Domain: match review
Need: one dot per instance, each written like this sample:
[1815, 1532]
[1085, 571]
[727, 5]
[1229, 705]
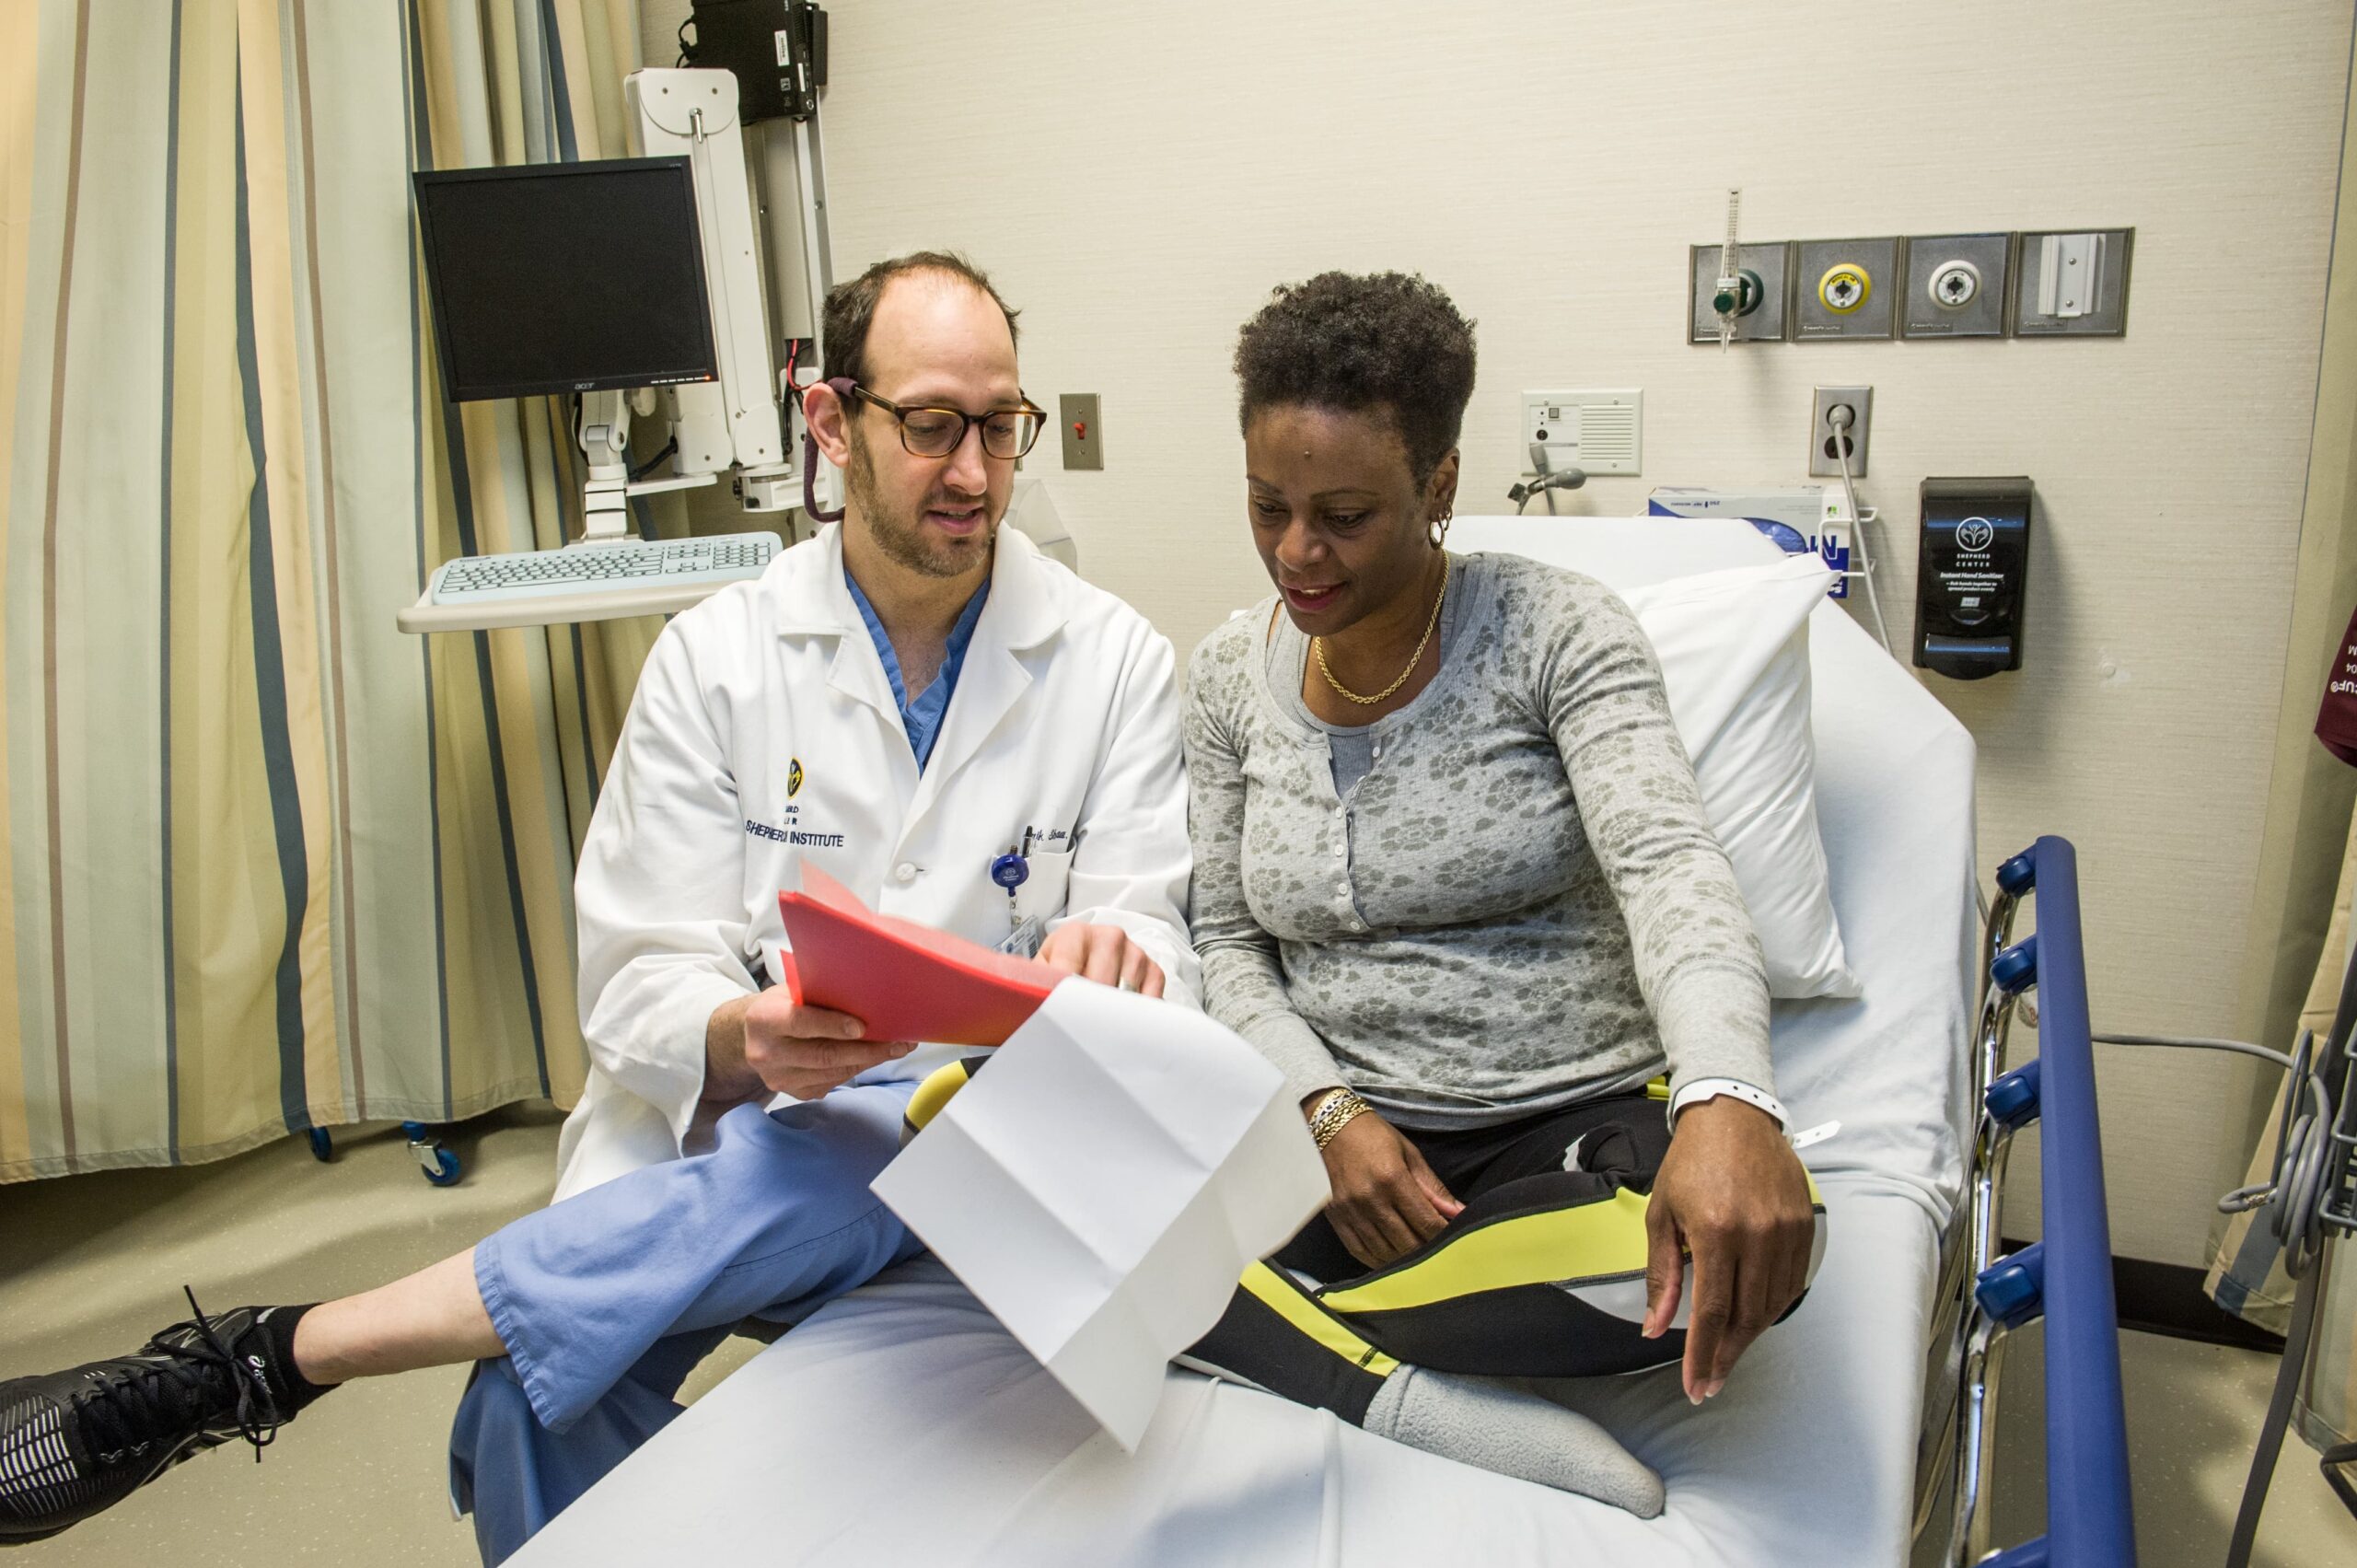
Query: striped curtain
[273, 864]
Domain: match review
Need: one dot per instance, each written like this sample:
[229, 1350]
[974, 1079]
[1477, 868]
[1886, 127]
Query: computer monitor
[565, 277]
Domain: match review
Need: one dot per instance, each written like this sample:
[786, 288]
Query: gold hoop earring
[1438, 533]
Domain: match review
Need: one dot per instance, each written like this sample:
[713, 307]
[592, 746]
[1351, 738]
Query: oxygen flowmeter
[1971, 571]
[1737, 291]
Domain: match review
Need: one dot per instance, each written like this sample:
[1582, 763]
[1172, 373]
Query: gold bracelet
[1337, 1110]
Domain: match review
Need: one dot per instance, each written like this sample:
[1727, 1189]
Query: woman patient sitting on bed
[1453, 876]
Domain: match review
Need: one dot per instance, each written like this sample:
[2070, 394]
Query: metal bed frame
[2065, 1278]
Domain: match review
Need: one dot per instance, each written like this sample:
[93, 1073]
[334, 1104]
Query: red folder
[902, 980]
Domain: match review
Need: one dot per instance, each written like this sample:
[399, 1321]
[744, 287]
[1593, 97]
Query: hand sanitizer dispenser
[1972, 569]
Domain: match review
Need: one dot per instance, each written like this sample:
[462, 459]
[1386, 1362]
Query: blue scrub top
[922, 717]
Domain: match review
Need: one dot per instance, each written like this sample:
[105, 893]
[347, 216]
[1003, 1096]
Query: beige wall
[1137, 177]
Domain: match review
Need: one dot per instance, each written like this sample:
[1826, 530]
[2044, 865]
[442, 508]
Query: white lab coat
[763, 730]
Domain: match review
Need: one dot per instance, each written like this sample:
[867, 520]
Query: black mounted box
[776, 49]
[1971, 576]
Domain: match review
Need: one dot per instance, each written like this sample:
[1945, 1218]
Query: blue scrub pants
[608, 1300]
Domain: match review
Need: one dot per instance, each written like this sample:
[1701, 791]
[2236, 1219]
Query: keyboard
[600, 568]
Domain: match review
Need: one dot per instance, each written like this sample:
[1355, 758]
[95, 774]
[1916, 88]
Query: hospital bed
[902, 1425]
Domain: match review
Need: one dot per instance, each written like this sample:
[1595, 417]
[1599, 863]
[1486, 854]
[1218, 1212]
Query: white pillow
[1734, 652]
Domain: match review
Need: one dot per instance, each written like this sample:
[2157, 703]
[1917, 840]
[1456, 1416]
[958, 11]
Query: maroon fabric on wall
[2336, 721]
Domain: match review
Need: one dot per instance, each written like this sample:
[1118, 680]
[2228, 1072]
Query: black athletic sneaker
[74, 1443]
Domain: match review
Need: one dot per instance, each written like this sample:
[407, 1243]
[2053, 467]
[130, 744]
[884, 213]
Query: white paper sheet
[1102, 1184]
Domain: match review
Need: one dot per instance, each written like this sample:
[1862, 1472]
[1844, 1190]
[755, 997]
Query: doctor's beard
[900, 533]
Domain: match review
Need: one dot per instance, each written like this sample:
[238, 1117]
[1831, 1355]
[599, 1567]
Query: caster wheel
[322, 1144]
[439, 1164]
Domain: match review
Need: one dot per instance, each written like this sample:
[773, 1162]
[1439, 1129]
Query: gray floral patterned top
[1519, 906]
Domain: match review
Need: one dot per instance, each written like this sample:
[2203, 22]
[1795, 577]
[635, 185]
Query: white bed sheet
[903, 1425]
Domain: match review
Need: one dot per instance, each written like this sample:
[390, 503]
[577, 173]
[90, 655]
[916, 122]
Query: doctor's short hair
[1388, 342]
[850, 307]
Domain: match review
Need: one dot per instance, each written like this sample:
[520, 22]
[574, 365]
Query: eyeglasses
[930, 431]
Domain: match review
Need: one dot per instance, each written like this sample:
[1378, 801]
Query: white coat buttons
[905, 873]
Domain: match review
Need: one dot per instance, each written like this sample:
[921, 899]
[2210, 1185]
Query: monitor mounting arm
[736, 423]
[605, 441]
[740, 423]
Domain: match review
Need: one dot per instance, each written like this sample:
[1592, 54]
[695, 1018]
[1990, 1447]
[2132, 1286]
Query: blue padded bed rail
[2066, 1277]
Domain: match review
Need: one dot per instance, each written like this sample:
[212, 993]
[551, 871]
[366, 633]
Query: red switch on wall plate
[1083, 427]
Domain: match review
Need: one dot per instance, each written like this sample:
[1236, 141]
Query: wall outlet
[1860, 401]
[1595, 431]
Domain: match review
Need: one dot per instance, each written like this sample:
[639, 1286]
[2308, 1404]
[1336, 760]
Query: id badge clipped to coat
[1011, 870]
[1023, 942]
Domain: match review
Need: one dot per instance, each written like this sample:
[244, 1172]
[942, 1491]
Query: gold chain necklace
[1318, 647]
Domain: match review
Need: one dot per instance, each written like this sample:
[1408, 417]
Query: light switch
[1083, 437]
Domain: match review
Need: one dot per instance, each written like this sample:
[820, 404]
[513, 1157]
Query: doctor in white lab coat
[765, 732]
[899, 701]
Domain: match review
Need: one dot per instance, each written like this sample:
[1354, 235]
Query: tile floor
[91, 1264]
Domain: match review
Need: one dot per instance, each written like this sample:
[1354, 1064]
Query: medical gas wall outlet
[2073, 284]
[1822, 431]
[1759, 307]
[1955, 285]
[1845, 288]
[1737, 295]
[1595, 431]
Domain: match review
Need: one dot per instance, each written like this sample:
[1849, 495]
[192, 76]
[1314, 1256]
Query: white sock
[1485, 1423]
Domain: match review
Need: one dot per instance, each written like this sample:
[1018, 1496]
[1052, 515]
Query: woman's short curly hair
[1387, 341]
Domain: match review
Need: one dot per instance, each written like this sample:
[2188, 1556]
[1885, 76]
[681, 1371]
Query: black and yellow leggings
[1542, 1275]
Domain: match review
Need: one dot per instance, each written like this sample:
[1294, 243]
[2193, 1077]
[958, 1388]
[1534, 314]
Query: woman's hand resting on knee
[1386, 1201]
[1731, 1198]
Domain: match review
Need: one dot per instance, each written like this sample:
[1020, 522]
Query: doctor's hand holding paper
[769, 1041]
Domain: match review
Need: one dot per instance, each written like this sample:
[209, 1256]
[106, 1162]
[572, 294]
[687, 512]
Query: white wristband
[1701, 1089]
